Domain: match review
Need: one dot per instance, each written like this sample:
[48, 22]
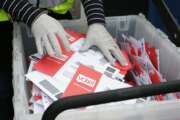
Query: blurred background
[147, 7]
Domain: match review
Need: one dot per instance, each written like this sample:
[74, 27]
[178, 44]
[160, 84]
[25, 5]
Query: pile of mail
[78, 72]
[72, 74]
[145, 62]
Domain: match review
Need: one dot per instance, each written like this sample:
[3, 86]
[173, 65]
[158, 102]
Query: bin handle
[109, 96]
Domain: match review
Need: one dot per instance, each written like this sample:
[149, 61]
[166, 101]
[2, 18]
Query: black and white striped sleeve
[94, 11]
[21, 10]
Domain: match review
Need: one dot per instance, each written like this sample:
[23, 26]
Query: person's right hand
[46, 30]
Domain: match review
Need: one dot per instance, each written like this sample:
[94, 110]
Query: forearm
[94, 11]
[21, 10]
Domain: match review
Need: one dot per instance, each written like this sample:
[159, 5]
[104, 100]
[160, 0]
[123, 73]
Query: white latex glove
[45, 30]
[97, 35]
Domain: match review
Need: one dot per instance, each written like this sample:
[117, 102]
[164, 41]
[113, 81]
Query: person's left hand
[97, 35]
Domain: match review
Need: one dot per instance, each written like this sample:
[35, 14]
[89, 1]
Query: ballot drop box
[134, 25]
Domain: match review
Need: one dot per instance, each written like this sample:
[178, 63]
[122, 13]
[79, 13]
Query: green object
[63, 7]
[60, 9]
[3, 16]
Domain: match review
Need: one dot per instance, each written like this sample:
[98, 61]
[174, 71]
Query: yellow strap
[63, 7]
[3, 16]
[60, 9]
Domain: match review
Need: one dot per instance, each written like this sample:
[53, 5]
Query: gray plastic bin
[136, 26]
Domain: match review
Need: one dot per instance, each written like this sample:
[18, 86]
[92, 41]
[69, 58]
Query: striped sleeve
[21, 10]
[94, 11]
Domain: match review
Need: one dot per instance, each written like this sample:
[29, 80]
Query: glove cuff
[36, 17]
[33, 18]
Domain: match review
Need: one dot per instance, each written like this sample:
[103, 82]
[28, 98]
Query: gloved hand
[97, 35]
[45, 30]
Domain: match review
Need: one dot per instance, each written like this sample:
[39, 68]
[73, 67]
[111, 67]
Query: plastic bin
[136, 26]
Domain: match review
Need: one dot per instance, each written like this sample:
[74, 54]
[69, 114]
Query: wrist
[38, 18]
[97, 26]
[40, 14]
